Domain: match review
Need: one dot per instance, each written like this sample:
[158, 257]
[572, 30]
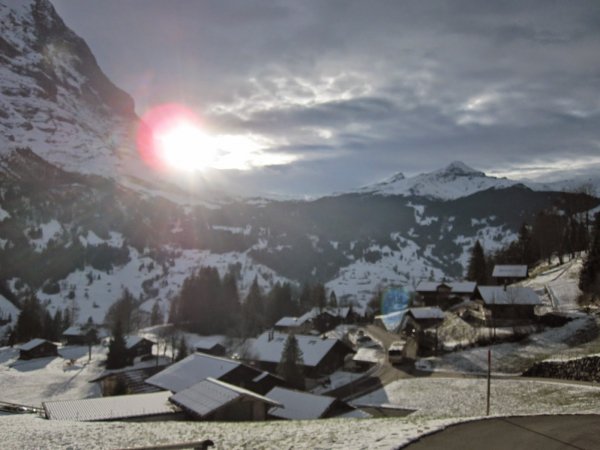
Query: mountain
[452, 182]
[81, 218]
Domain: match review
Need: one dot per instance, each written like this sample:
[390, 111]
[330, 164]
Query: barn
[37, 348]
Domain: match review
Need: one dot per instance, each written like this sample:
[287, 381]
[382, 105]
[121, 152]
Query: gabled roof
[291, 322]
[191, 370]
[208, 342]
[297, 405]
[209, 395]
[73, 331]
[34, 343]
[511, 295]
[509, 271]
[132, 341]
[426, 313]
[313, 348]
[110, 408]
[456, 287]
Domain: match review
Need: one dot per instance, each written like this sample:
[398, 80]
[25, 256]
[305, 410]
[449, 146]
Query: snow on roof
[299, 405]
[132, 341]
[208, 342]
[33, 344]
[366, 354]
[73, 331]
[110, 408]
[313, 348]
[209, 395]
[192, 370]
[512, 295]
[456, 287]
[424, 313]
[510, 271]
[291, 322]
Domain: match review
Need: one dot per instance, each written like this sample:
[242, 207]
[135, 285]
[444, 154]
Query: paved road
[516, 433]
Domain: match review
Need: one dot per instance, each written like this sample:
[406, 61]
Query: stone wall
[581, 369]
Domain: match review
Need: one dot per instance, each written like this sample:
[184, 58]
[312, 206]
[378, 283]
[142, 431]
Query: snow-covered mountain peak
[458, 169]
[451, 182]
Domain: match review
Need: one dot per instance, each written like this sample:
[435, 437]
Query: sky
[346, 93]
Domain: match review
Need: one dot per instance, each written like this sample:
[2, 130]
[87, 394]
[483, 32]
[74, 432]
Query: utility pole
[489, 379]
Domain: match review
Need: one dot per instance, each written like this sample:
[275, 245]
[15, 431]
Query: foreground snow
[30, 432]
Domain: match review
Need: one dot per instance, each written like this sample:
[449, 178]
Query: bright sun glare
[187, 147]
[173, 137]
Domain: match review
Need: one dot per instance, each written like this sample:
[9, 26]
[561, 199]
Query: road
[516, 433]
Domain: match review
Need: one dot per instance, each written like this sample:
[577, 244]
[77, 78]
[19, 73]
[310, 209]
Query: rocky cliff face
[55, 99]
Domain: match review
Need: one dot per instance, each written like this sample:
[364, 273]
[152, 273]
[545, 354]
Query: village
[342, 357]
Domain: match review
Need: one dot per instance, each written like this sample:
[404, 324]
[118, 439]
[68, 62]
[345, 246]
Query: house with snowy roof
[321, 356]
[199, 366]
[509, 273]
[37, 348]
[212, 399]
[211, 345]
[138, 346]
[509, 305]
[78, 335]
[420, 319]
[298, 405]
[445, 294]
[151, 406]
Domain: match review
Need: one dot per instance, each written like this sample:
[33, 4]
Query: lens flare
[394, 299]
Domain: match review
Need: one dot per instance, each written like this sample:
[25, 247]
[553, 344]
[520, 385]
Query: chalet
[212, 399]
[420, 319]
[296, 325]
[211, 345]
[197, 367]
[318, 319]
[321, 356]
[297, 405]
[140, 407]
[37, 348]
[445, 294]
[138, 347]
[509, 305]
[77, 335]
[508, 274]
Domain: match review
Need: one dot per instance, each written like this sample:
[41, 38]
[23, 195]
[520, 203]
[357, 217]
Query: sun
[186, 146]
[171, 137]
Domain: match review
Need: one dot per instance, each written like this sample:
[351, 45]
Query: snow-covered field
[442, 398]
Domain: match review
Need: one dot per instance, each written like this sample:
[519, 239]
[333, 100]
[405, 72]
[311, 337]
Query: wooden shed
[37, 348]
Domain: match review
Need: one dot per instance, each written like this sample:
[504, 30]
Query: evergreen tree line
[209, 304]
[35, 321]
[552, 234]
[589, 277]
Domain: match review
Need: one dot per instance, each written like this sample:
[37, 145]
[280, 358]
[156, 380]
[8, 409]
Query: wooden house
[140, 407]
[445, 294]
[505, 274]
[298, 405]
[77, 335]
[197, 367]
[211, 399]
[321, 356]
[37, 348]
[509, 305]
[138, 347]
[211, 345]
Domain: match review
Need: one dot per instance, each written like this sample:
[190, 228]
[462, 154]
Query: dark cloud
[359, 90]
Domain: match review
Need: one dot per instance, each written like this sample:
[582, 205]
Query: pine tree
[477, 270]
[156, 316]
[319, 297]
[253, 311]
[117, 350]
[290, 366]
[333, 303]
[182, 349]
[589, 277]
